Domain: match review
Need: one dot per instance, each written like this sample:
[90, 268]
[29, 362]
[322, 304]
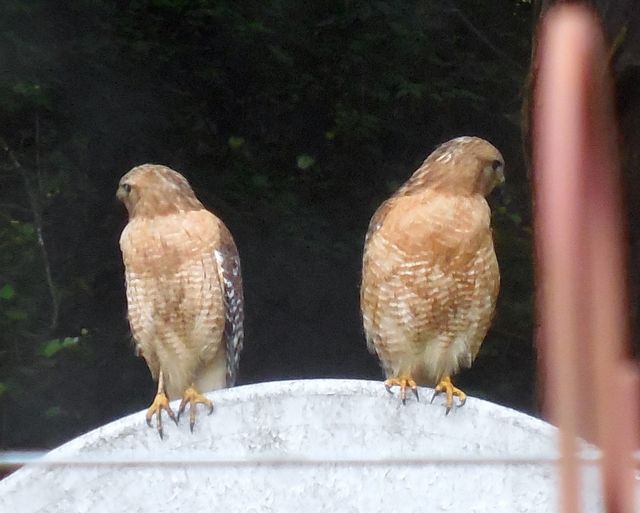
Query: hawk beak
[500, 188]
[503, 192]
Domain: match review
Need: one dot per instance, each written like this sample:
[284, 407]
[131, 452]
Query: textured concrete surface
[277, 447]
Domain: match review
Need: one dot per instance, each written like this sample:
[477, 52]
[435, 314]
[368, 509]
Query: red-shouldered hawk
[184, 289]
[430, 276]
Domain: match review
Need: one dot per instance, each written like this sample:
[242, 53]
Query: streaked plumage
[184, 285]
[430, 276]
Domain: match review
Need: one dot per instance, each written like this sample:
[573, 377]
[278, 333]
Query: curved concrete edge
[282, 446]
[348, 389]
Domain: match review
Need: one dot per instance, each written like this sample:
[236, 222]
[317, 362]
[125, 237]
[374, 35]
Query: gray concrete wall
[305, 446]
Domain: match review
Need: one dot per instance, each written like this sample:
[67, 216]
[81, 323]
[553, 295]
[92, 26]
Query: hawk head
[153, 190]
[464, 165]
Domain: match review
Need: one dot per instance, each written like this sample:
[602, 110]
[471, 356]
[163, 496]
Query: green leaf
[260, 181]
[413, 90]
[7, 292]
[51, 347]
[305, 161]
[27, 229]
[70, 342]
[32, 92]
[52, 412]
[392, 185]
[280, 55]
[16, 314]
[3, 388]
[235, 142]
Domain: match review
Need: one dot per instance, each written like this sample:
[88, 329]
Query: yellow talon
[445, 385]
[403, 383]
[193, 397]
[160, 402]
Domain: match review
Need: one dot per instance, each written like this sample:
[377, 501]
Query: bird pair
[430, 278]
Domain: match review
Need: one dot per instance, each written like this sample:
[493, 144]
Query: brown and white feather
[430, 274]
[176, 298]
[230, 274]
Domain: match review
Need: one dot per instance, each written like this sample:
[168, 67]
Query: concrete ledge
[309, 445]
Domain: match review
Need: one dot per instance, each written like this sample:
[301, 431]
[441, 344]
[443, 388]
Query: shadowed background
[293, 122]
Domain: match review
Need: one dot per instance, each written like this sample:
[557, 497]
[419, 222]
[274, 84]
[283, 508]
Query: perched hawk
[430, 277]
[184, 289]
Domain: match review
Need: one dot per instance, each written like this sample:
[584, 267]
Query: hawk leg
[447, 387]
[403, 383]
[193, 397]
[160, 402]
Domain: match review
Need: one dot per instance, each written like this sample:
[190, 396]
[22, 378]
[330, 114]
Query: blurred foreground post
[581, 293]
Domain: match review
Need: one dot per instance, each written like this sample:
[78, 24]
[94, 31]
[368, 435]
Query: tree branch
[14, 206]
[37, 221]
[483, 39]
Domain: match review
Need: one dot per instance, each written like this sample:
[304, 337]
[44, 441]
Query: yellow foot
[447, 387]
[193, 397]
[403, 383]
[161, 402]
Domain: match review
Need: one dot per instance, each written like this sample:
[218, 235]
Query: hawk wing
[228, 262]
[374, 225]
[377, 219]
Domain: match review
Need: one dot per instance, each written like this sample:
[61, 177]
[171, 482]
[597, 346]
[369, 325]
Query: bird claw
[160, 402]
[446, 386]
[403, 383]
[193, 397]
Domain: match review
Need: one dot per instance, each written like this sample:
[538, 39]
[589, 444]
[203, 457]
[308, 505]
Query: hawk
[184, 289]
[430, 276]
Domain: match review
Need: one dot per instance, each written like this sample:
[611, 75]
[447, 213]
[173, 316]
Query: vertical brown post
[581, 283]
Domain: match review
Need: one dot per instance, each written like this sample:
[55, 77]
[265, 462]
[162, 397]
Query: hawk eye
[126, 188]
[496, 164]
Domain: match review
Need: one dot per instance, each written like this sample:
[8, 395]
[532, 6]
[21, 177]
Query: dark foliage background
[293, 121]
